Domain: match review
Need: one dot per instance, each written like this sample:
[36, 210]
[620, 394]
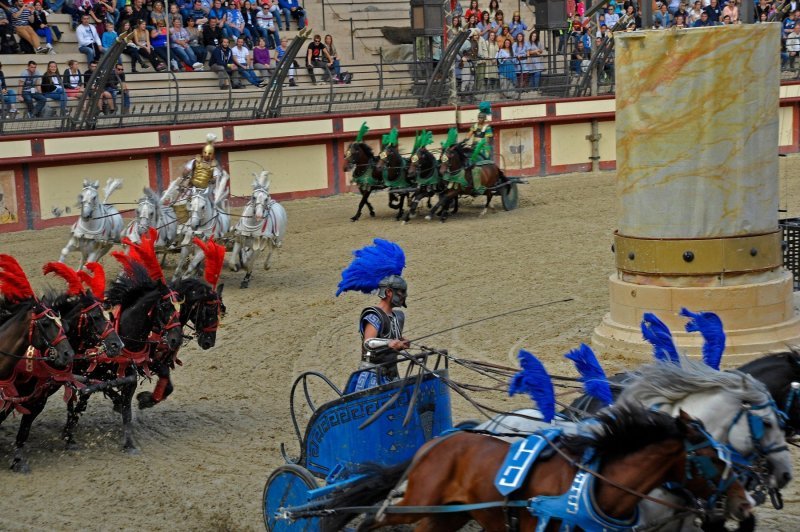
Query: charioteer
[482, 130]
[203, 172]
[378, 268]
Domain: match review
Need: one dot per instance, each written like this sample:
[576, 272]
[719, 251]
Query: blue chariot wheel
[287, 487]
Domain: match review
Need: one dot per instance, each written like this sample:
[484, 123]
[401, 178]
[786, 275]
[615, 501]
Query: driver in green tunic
[482, 130]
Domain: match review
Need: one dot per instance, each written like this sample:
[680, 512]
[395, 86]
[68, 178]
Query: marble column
[697, 189]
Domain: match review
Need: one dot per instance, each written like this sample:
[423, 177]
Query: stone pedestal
[697, 189]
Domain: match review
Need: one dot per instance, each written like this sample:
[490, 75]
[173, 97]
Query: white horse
[205, 221]
[262, 225]
[725, 401]
[99, 226]
[150, 213]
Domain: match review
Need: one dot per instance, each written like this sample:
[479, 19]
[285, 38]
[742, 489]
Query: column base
[758, 318]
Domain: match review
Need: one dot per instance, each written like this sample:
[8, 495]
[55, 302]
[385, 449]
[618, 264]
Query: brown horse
[456, 170]
[424, 170]
[392, 170]
[360, 160]
[637, 450]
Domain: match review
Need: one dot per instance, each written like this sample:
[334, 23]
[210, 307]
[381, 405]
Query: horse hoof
[145, 400]
[405, 222]
[354, 219]
[372, 214]
[131, 450]
[71, 446]
[244, 284]
[19, 465]
[428, 217]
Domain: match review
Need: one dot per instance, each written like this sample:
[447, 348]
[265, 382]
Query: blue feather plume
[595, 382]
[534, 381]
[370, 264]
[657, 333]
[709, 325]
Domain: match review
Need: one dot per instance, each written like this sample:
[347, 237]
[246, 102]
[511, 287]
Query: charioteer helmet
[399, 289]
[208, 149]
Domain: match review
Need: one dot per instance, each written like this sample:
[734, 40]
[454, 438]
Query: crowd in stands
[239, 40]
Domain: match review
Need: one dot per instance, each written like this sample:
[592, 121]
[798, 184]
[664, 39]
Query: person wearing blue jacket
[293, 9]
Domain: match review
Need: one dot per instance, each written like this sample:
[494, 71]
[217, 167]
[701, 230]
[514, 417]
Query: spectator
[494, 7]
[763, 7]
[634, 19]
[487, 70]
[109, 36]
[220, 13]
[42, 28]
[88, 40]
[250, 21]
[8, 44]
[275, 9]
[505, 63]
[116, 86]
[500, 19]
[212, 36]
[578, 57]
[694, 13]
[472, 23]
[517, 26]
[222, 63]
[731, 10]
[789, 23]
[680, 22]
[196, 42]
[244, 63]
[30, 81]
[469, 55]
[262, 62]
[9, 98]
[293, 9]
[681, 11]
[317, 56]
[52, 88]
[158, 40]
[714, 12]
[281, 51]
[457, 24]
[179, 44]
[198, 13]
[662, 17]
[486, 25]
[673, 6]
[158, 17]
[520, 50]
[105, 99]
[141, 37]
[334, 53]
[234, 23]
[267, 27]
[72, 80]
[538, 62]
[21, 17]
[611, 18]
[762, 18]
[472, 10]
[131, 49]
[603, 31]
[103, 11]
[139, 12]
[792, 49]
[174, 14]
[703, 22]
[505, 35]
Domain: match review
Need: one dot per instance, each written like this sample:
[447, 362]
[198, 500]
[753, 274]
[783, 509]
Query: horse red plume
[125, 261]
[95, 282]
[74, 286]
[215, 256]
[14, 284]
[145, 252]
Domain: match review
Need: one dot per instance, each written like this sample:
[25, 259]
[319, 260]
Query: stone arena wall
[41, 176]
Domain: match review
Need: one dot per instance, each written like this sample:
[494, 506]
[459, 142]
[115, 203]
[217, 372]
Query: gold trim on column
[698, 256]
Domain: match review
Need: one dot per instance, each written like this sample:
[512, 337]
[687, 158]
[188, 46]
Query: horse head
[199, 208]
[145, 215]
[88, 198]
[167, 317]
[89, 324]
[46, 334]
[421, 164]
[203, 306]
[453, 159]
[357, 155]
[261, 197]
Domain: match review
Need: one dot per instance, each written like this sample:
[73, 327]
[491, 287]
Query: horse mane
[151, 196]
[622, 430]
[128, 287]
[63, 302]
[366, 148]
[186, 287]
[667, 382]
[9, 309]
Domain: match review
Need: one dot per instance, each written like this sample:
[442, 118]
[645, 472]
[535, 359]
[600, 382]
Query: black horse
[201, 310]
[360, 160]
[465, 178]
[424, 170]
[393, 170]
[28, 323]
[147, 316]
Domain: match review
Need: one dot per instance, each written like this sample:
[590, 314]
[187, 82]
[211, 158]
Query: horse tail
[377, 485]
[111, 186]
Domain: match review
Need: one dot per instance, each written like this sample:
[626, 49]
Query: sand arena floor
[206, 451]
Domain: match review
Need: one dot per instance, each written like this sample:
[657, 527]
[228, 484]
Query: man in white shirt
[244, 64]
[88, 40]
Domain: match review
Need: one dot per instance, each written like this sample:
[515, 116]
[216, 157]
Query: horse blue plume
[709, 325]
[595, 382]
[371, 264]
[657, 333]
[534, 381]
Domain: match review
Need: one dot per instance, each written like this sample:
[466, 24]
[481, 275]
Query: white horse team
[262, 225]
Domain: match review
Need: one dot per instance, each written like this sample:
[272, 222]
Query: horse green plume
[452, 138]
[362, 132]
[477, 152]
[390, 139]
[425, 138]
[417, 138]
